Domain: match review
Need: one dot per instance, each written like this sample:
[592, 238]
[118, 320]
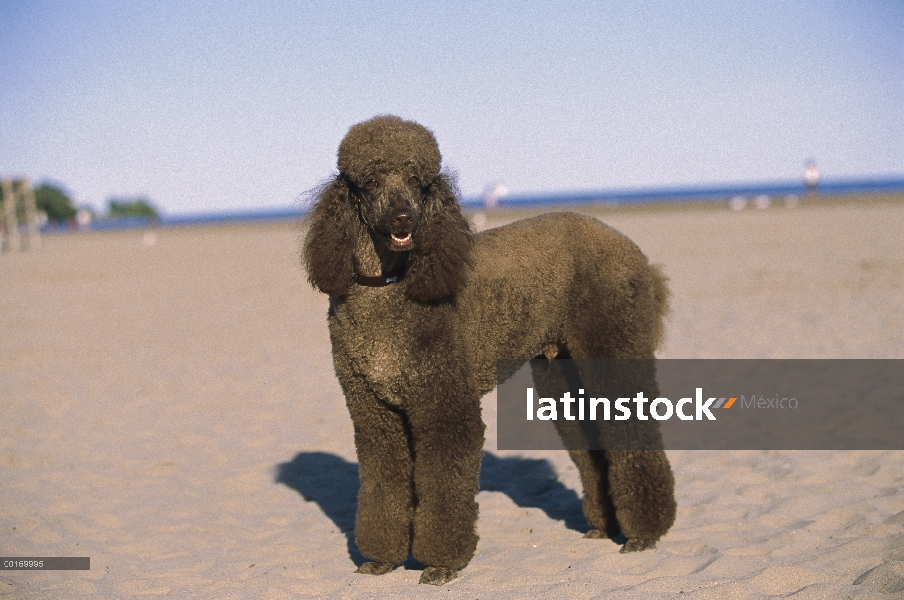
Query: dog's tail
[660, 301]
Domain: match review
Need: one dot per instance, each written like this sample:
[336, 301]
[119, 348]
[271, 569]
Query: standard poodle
[421, 308]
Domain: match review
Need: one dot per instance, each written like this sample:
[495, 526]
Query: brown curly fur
[415, 357]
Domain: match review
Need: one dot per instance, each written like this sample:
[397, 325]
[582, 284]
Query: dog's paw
[593, 534]
[375, 568]
[438, 575]
[637, 546]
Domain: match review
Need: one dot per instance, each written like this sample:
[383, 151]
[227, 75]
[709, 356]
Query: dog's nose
[402, 220]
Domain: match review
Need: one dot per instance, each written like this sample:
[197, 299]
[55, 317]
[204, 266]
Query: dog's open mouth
[400, 242]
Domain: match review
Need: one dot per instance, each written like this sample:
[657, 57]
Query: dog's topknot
[388, 143]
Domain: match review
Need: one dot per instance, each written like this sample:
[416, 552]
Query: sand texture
[168, 407]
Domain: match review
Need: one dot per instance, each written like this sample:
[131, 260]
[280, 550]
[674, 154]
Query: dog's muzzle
[401, 225]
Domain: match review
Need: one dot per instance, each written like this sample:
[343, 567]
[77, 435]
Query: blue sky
[220, 105]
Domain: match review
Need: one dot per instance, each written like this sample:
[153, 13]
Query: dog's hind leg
[632, 472]
[640, 483]
[641, 486]
[597, 505]
[552, 378]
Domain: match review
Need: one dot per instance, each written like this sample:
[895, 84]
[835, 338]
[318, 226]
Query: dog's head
[390, 165]
[390, 182]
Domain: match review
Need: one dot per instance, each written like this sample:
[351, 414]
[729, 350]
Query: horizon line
[611, 197]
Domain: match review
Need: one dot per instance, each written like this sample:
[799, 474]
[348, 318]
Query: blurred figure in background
[811, 177]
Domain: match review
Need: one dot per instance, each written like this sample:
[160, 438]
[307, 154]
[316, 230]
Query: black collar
[392, 277]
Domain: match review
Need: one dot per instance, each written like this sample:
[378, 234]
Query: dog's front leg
[385, 499]
[447, 431]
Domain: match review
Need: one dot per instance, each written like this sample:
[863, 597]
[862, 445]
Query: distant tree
[54, 201]
[132, 207]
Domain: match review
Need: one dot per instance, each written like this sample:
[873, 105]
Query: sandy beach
[168, 408]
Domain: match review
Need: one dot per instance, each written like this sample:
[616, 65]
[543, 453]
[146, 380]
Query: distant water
[713, 193]
[707, 192]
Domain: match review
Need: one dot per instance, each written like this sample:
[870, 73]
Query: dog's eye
[372, 183]
[413, 181]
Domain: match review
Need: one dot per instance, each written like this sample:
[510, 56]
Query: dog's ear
[328, 251]
[441, 258]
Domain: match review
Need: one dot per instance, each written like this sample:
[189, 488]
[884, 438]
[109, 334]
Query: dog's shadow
[332, 482]
[533, 483]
